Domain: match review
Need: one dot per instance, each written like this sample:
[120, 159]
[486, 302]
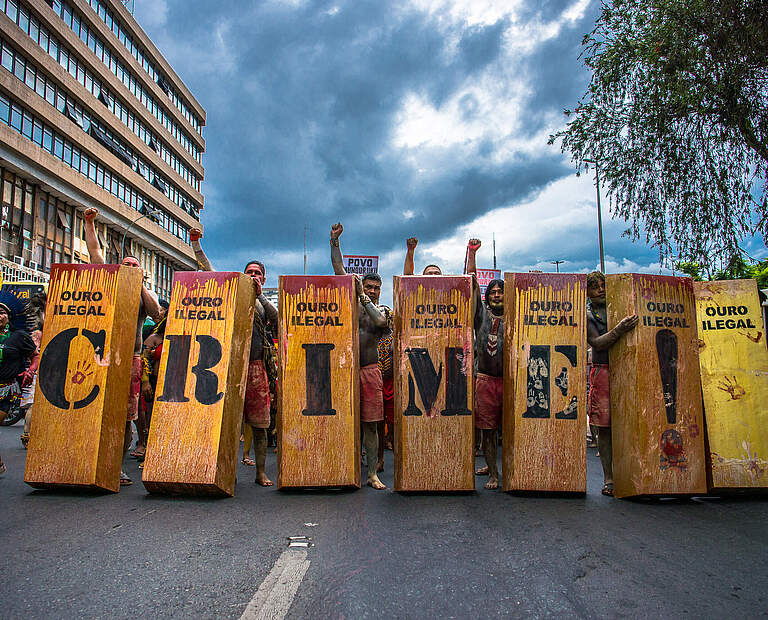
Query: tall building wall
[91, 114]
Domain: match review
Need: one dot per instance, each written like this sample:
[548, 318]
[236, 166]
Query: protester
[147, 306]
[489, 362]
[35, 318]
[601, 339]
[373, 324]
[261, 365]
[16, 348]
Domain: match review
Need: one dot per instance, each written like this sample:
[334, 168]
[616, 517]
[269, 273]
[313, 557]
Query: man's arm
[203, 264]
[270, 312]
[378, 318]
[410, 245]
[151, 306]
[471, 269]
[91, 240]
[611, 337]
[336, 260]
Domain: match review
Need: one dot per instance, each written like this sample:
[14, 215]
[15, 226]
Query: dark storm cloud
[302, 100]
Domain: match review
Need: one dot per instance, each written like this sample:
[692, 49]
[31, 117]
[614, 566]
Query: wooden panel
[656, 412]
[81, 399]
[194, 434]
[545, 344]
[433, 362]
[734, 377]
[319, 417]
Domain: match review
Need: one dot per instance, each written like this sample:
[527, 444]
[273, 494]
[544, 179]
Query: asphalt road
[377, 554]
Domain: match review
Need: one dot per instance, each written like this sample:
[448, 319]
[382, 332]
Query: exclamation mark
[666, 349]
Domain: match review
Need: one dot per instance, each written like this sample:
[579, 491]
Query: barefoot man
[429, 270]
[489, 355]
[261, 362]
[601, 340]
[373, 325]
[147, 306]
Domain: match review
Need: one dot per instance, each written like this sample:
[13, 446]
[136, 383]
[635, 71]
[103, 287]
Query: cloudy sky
[426, 118]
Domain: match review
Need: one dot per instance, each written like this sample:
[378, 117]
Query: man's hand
[336, 230]
[195, 234]
[627, 324]
[411, 243]
[257, 284]
[359, 286]
[474, 245]
[26, 378]
[90, 214]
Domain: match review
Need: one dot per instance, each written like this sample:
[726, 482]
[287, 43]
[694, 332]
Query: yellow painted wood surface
[74, 442]
[545, 393]
[318, 315]
[434, 448]
[734, 377]
[195, 429]
[651, 454]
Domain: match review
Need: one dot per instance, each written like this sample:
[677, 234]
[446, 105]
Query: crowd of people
[21, 330]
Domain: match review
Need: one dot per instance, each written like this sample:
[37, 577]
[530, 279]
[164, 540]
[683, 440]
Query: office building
[91, 114]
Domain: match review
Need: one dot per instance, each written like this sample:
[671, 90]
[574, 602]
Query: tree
[676, 116]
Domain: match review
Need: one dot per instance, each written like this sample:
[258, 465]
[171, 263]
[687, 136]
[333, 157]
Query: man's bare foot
[373, 481]
[380, 466]
[493, 483]
[262, 480]
[483, 471]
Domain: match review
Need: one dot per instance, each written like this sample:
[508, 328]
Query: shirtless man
[372, 326]
[257, 403]
[147, 306]
[429, 270]
[489, 354]
[601, 340]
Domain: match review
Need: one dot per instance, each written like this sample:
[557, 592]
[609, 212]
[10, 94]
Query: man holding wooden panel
[261, 362]
[148, 306]
[601, 339]
[373, 324]
[489, 352]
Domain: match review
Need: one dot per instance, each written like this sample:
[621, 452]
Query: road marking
[275, 595]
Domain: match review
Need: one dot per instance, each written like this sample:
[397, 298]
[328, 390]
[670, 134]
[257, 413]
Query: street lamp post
[557, 264]
[599, 214]
[150, 211]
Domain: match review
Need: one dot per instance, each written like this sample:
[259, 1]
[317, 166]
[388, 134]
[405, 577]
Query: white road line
[275, 595]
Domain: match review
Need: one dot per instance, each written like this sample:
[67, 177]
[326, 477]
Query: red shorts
[599, 396]
[135, 391]
[488, 401]
[371, 394]
[256, 405]
[389, 401]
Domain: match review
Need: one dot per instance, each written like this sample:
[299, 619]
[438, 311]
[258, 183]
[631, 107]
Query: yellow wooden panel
[734, 378]
[545, 343]
[656, 412]
[194, 434]
[319, 417]
[81, 399]
[433, 362]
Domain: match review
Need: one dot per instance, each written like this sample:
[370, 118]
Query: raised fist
[474, 245]
[195, 234]
[336, 230]
[411, 243]
[90, 214]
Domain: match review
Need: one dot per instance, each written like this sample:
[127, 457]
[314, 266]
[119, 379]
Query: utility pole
[494, 250]
[557, 264]
[599, 214]
[306, 228]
